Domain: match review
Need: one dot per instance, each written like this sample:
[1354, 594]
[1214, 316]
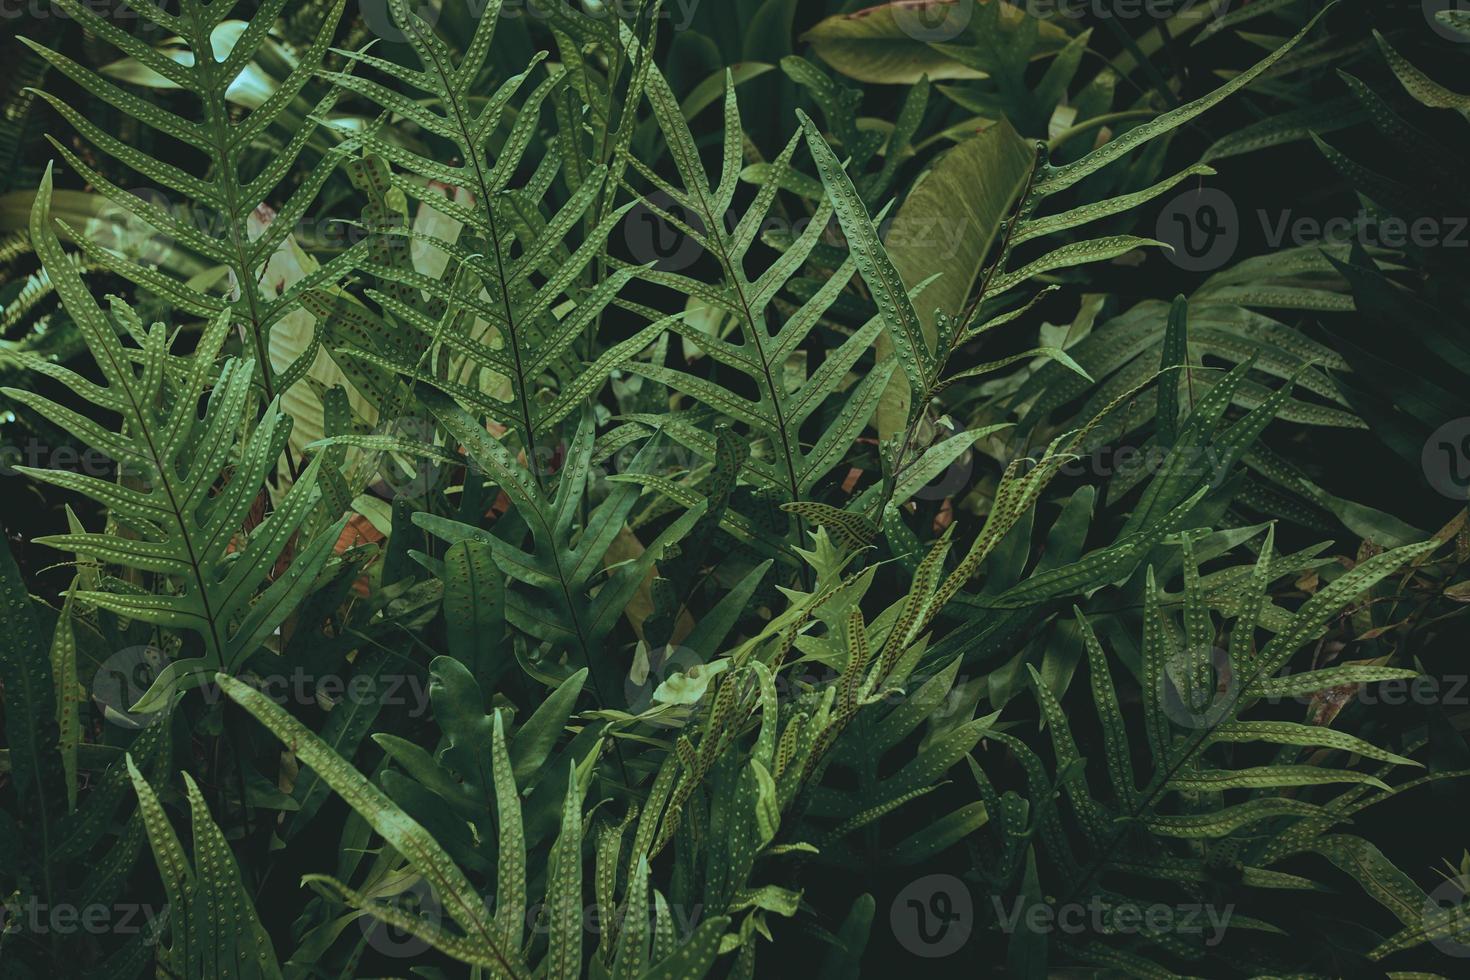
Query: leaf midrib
[472, 155]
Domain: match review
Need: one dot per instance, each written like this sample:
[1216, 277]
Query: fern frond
[229, 193]
[1195, 696]
[520, 304]
[550, 597]
[213, 927]
[483, 940]
[187, 482]
[769, 336]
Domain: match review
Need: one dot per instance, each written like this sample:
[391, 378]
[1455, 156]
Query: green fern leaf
[227, 191]
[178, 527]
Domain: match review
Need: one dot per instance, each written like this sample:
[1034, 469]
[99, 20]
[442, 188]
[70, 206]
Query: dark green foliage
[758, 488]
